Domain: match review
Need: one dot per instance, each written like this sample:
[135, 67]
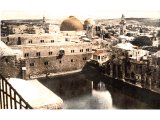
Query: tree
[151, 49]
[142, 41]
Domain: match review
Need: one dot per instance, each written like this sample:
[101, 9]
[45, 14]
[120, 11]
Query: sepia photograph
[80, 55]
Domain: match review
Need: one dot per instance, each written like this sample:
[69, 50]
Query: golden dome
[71, 24]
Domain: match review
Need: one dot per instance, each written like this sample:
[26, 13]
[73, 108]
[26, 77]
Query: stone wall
[25, 68]
[30, 39]
[24, 39]
[44, 65]
[70, 49]
[9, 66]
[44, 58]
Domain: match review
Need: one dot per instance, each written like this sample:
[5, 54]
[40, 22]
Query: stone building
[4, 29]
[158, 38]
[120, 59]
[37, 59]
[54, 29]
[100, 56]
[9, 60]
[25, 29]
[46, 53]
[133, 64]
[155, 65]
[24, 39]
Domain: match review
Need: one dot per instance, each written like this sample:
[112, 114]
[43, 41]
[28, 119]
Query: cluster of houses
[129, 62]
[39, 26]
[110, 45]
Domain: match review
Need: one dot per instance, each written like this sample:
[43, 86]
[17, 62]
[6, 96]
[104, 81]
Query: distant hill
[25, 21]
[139, 21]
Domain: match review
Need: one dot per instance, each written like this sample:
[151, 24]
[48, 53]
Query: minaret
[89, 30]
[44, 20]
[122, 25]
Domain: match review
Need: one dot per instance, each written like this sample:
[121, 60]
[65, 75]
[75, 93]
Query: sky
[35, 9]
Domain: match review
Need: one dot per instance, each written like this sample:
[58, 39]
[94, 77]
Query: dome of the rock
[71, 24]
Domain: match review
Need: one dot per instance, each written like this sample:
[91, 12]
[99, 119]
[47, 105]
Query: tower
[122, 25]
[90, 31]
[45, 25]
[44, 20]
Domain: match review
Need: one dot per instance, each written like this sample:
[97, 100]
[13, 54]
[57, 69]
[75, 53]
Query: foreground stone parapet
[36, 94]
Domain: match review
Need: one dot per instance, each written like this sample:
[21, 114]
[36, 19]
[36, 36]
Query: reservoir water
[78, 92]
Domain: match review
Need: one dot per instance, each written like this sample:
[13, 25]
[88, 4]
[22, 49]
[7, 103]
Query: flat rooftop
[60, 43]
[36, 94]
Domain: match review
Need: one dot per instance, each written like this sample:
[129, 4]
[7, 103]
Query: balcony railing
[9, 97]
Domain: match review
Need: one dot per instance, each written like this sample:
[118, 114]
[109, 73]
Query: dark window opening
[6, 60]
[38, 54]
[66, 39]
[72, 51]
[42, 41]
[30, 41]
[26, 55]
[52, 41]
[87, 50]
[50, 53]
[31, 64]
[46, 63]
[71, 60]
[19, 41]
[81, 50]
[60, 61]
[7, 39]
[84, 58]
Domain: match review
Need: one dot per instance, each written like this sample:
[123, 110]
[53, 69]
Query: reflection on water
[77, 93]
[97, 100]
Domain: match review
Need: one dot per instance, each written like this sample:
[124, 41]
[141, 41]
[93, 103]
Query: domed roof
[71, 24]
[89, 21]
